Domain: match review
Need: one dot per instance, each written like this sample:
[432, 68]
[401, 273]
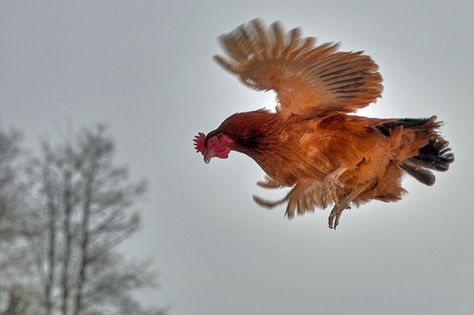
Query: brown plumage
[310, 143]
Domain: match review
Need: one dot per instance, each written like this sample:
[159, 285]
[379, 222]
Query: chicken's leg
[330, 185]
[340, 206]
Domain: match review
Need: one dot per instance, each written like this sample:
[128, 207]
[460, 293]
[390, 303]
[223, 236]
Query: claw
[336, 222]
[333, 220]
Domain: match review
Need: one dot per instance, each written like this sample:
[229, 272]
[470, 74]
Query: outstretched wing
[307, 78]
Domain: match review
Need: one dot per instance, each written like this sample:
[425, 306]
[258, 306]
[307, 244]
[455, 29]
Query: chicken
[310, 143]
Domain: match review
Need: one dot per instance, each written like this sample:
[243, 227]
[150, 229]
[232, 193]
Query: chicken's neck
[253, 133]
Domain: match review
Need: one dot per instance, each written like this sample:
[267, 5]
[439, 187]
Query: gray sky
[145, 69]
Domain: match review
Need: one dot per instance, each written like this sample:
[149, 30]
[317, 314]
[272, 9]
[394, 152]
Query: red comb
[199, 142]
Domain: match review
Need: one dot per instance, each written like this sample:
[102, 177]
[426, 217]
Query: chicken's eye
[212, 141]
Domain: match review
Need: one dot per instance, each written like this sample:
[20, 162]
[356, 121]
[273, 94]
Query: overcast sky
[145, 69]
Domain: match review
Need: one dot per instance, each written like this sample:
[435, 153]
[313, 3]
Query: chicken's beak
[208, 156]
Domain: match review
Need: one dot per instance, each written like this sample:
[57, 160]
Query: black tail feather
[436, 155]
[385, 128]
[422, 175]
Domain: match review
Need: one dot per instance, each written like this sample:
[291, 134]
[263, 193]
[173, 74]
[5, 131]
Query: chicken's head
[214, 145]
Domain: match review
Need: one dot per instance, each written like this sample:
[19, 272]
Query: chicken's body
[310, 143]
[301, 148]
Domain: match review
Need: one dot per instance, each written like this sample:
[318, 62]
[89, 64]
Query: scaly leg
[340, 206]
[330, 185]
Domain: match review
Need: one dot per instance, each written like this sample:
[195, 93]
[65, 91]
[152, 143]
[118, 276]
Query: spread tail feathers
[436, 155]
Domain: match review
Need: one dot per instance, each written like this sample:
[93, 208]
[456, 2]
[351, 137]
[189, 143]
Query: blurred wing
[303, 197]
[307, 79]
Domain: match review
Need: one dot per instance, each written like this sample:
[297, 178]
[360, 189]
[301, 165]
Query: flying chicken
[310, 143]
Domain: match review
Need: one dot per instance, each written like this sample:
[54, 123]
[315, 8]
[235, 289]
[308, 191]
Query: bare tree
[9, 150]
[17, 302]
[10, 256]
[82, 208]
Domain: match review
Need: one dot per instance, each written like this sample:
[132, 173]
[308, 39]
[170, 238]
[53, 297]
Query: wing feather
[263, 38]
[308, 79]
[308, 44]
[295, 35]
[279, 40]
[303, 197]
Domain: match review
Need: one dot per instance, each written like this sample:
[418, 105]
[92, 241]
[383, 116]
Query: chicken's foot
[344, 203]
[333, 219]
